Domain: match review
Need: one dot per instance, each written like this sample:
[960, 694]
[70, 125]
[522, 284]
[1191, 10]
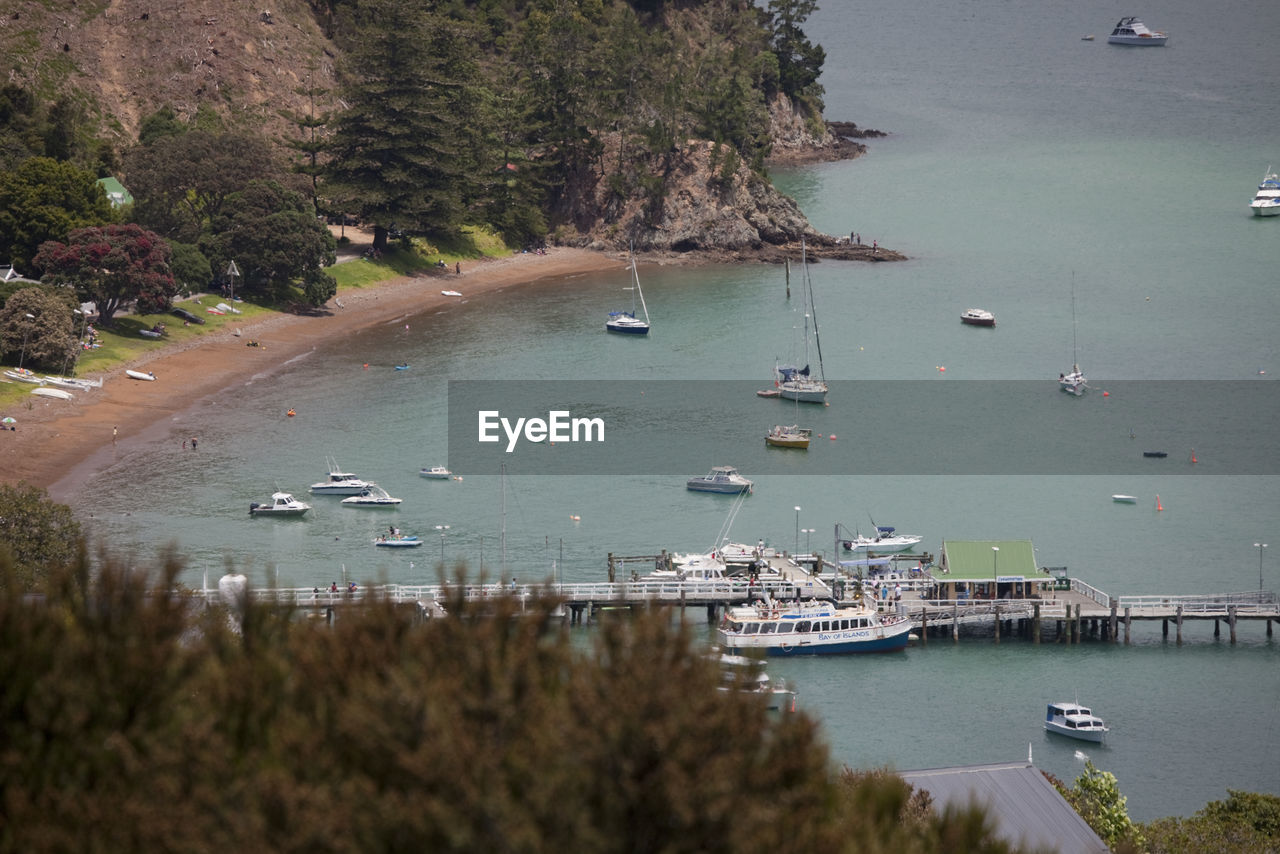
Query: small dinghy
[1159, 455]
[1125, 499]
[401, 541]
[146, 376]
[56, 393]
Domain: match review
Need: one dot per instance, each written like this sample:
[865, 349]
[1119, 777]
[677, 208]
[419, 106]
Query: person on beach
[193, 443]
[457, 268]
[115, 432]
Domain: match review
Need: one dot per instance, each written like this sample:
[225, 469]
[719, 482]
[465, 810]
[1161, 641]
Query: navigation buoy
[1159, 506]
[1193, 456]
[1106, 394]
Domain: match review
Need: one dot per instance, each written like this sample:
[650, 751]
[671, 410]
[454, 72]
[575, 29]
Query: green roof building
[116, 193]
[988, 569]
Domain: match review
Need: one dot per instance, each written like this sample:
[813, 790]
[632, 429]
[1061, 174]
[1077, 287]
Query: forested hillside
[603, 121]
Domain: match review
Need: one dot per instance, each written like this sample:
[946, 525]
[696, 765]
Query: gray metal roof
[1025, 807]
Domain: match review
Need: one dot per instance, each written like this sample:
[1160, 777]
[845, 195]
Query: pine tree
[400, 152]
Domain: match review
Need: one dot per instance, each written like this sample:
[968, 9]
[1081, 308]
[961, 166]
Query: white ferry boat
[816, 628]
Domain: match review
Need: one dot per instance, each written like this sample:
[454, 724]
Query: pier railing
[1090, 592]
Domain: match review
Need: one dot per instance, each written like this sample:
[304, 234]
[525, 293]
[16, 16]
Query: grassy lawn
[123, 343]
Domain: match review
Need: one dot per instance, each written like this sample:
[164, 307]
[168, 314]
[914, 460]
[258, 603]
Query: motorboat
[22, 375]
[692, 567]
[1075, 721]
[371, 496]
[450, 293]
[57, 393]
[435, 473]
[721, 479]
[977, 317]
[282, 504]
[885, 540]
[1125, 499]
[1156, 455]
[339, 483]
[398, 541]
[404, 366]
[1267, 201]
[788, 437]
[145, 376]
[626, 321]
[1132, 31]
[813, 628]
[746, 674]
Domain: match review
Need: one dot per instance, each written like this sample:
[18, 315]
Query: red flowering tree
[112, 266]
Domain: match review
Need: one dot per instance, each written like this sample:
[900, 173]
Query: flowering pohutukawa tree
[112, 266]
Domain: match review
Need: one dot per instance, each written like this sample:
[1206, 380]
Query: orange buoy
[1106, 394]
[1159, 506]
[291, 413]
[833, 437]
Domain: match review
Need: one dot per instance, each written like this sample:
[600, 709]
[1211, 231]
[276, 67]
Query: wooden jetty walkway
[1065, 610]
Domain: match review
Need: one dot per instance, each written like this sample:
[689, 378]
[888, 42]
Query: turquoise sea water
[1020, 159]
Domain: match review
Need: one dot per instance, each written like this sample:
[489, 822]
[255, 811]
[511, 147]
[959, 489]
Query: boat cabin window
[785, 628]
[844, 624]
[802, 626]
[767, 628]
[751, 629]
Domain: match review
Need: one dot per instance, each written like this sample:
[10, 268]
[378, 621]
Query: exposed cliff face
[702, 210]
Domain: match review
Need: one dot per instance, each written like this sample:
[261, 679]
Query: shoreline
[60, 444]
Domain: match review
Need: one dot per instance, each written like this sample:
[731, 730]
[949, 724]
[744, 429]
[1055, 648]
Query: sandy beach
[59, 444]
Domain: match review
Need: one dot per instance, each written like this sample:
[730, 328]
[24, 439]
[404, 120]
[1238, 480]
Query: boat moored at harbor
[1075, 721]
[1131, 31]
[1267, 201]
[721, 479]
[814, 628]
[339, 483]
[282, 504]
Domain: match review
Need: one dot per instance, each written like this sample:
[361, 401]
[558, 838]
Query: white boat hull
[1271, 209]
[56, 393]
[1139, 41]
[139, 375]
[885, 544]
[803, 392]
[1093, 735]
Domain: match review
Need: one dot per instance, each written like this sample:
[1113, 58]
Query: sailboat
[793, 436]
[797, 383]
[1073, 382]
[626, 321]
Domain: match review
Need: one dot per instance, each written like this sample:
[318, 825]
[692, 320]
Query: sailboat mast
[1075, 361]
[813, 309]
[635, 283]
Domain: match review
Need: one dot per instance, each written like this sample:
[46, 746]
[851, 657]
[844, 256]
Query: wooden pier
[1065, 613]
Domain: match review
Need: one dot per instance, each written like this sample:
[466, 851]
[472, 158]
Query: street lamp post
[808, 549]
[442, 529]
[797, 548]
[1259, 547]
[22, 355]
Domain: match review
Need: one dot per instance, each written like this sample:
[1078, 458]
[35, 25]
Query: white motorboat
[371, 496]
[1074, 720]
[1125, 499]
[692, 567]
[435, 473]
[1267, 201]
[814, 628]
[146, 376]
[746, 674]
[450, 293]
[57, 393]
[627, 321]
[339, 483]
[722, 479]
[885, 540]
[1133, 32]
[282, 504]
[977, 317]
